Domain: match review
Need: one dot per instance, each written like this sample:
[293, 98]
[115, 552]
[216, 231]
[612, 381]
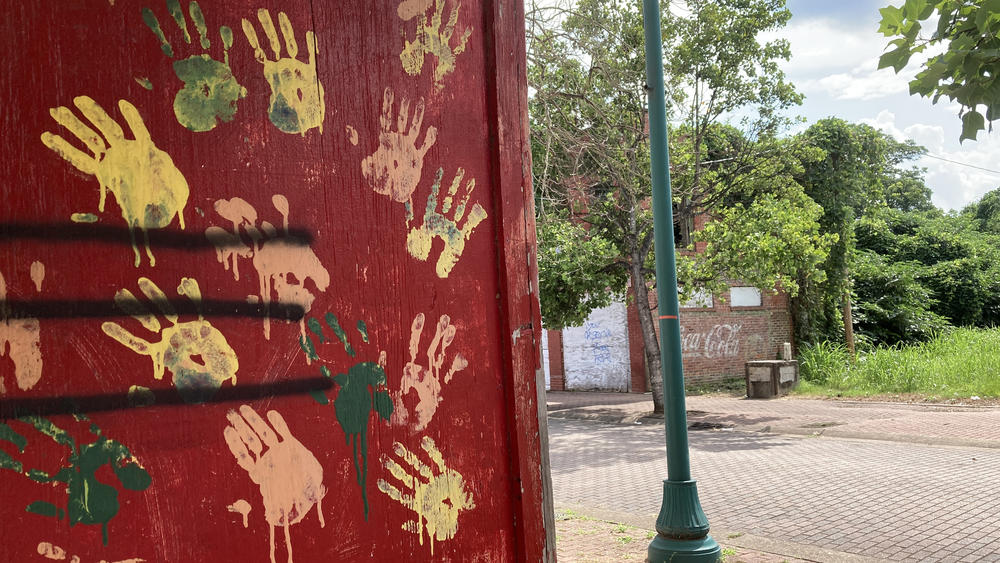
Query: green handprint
[210, 91]
[361, 388]
[88, 501]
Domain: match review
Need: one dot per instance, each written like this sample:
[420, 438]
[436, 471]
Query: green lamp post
[682, 528]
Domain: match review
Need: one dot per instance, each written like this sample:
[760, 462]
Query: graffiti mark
[243, 508]
[296, 104]
[721, 341]
[211, 92]
[436, 499]
[88, 500]
[20, 338]
[196, 353]
[283, 262]
[148, 187]
[394, 168]
[438, 224]
[595, 335]
[352, 135]
[431, 38]
[426, 381]
[56, 553]
[361, 390]
[290, 478]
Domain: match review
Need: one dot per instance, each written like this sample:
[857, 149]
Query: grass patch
[959, 363]
[570, 514]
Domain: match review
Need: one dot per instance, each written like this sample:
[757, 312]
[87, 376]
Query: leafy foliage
[891, 304]
[966, 71]
[590, 149]
[581, 272]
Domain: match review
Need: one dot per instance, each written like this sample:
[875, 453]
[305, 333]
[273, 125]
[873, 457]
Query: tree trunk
[651, 344]
[848, 323]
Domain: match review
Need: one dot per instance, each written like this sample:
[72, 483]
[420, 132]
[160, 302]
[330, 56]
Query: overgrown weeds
[959, 363]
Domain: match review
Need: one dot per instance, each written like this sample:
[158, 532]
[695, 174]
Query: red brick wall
[557, 373]
[637, 363]
[717, 342]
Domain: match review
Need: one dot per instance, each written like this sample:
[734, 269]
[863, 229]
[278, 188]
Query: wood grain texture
[294, 269]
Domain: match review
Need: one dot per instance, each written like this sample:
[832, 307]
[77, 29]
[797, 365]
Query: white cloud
[839, 58]
[956, 175]
[822, 45]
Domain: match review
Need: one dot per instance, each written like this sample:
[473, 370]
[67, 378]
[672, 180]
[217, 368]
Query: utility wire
[962, 163]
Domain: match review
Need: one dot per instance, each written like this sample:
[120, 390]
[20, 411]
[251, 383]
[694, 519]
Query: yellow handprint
[289, 476]
[437, 224]
[195, 352]
[394, 168]
[296, 93]
[431, 38]
[436, 499]
[148, 187]
[210, 91]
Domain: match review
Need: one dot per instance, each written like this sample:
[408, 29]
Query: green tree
[591, 153]
[966, 71]
[986, 212]
[859, 172]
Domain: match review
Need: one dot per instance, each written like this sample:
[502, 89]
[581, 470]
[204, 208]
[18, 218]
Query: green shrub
[824, 363]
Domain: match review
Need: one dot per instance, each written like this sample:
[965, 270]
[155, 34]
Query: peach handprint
[20, 337]
[394, 168]
[427, 381]
[283, 261]
[289, 476]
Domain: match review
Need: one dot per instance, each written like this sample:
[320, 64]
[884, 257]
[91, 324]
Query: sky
[835, 50]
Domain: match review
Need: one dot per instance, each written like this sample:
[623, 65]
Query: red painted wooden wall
[266, 283]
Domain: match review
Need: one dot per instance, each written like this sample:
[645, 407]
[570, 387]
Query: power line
[962, 163]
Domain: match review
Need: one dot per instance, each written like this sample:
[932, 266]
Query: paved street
[887, 500]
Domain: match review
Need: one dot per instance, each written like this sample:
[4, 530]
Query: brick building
[719, 334]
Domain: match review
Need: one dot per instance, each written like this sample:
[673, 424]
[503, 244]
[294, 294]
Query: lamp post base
[682, 529]
[664, 549]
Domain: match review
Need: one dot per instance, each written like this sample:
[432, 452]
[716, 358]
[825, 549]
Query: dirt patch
[585, 540]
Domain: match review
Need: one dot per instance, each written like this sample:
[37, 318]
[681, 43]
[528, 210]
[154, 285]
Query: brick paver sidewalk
[908, 497]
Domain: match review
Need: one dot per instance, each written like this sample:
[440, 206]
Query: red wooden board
[326, 348]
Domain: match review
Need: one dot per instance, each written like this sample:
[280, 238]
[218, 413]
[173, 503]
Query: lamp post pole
[682, 528]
